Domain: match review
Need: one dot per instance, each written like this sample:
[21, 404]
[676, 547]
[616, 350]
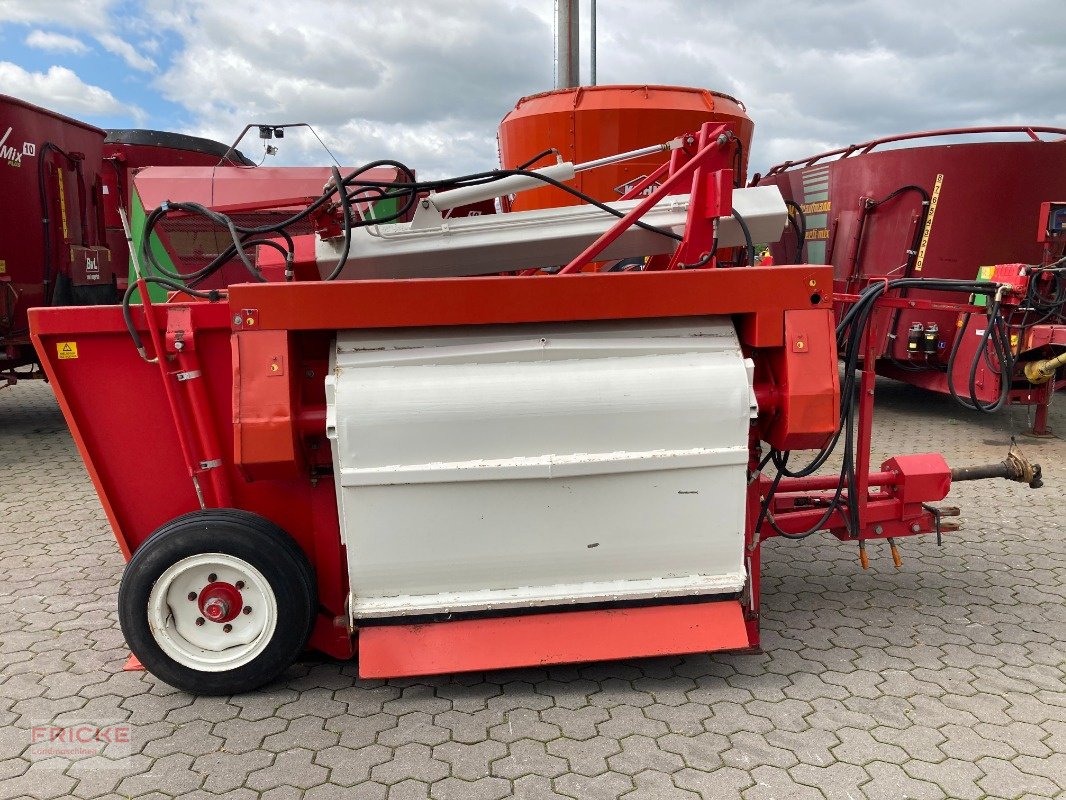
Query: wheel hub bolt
[212, 578]
[215, 608]
[192, 596]
[240, 584]
[199, 620]
[247, 609]
[227, 628]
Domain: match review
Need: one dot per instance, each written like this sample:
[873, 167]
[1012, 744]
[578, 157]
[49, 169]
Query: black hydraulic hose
[798, 220]
[703, 260]
[127, 312]
[747, 237]
[346, 211]
[592, 201]
[406, 190]
[850, 333]
[909, 262]
[738, 163]
[219, 219]
[994, 331]
[538, 157]
[48, 267]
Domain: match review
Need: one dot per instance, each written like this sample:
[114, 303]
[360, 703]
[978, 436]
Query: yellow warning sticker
[67, 349]
[3, 266]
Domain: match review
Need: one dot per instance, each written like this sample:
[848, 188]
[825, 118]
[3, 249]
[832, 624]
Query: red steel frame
[230, 411]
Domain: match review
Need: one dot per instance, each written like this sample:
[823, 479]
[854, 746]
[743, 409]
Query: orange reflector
[389, 651]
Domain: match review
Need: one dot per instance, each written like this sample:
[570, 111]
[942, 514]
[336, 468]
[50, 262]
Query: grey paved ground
[945, 679]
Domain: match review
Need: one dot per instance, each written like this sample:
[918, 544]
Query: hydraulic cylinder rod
[563, 171]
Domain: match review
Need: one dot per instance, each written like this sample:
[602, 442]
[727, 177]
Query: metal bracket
[188, 375]
[936, 522]
[216, 462]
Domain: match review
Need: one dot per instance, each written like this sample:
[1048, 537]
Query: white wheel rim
[210, 646]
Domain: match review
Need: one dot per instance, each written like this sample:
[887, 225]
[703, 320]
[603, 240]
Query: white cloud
[56, 42]
[423, 82]
[62, 90]
[95, 17]
[75, 14]
[126, 51]
[430, 81]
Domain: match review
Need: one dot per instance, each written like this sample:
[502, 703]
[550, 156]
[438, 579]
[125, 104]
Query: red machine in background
[483, 469]
[899, 208]
[53, 244]
[590, 122]
[61, 241]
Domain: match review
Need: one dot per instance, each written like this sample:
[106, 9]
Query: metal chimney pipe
[592, 45]
[567, 46]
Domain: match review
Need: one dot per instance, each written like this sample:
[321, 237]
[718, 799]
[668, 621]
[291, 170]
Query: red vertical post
[867, 382]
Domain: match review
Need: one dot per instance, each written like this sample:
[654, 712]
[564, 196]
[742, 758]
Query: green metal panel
[138, 221]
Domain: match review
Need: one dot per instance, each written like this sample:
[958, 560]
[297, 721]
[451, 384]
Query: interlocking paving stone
[946, 678]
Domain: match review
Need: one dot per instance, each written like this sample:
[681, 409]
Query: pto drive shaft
[1038, 372]
[1015, 467]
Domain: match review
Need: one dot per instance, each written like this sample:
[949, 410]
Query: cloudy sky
[428, 81]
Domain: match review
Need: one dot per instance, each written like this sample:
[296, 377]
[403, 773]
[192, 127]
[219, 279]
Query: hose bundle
[850, 332]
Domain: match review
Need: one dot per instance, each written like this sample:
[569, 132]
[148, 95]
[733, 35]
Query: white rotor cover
[501, 467]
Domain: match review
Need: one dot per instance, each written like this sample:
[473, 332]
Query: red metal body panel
[551, 638]
[590, 122]
[809, 414]
[230, 189]
[142, 480]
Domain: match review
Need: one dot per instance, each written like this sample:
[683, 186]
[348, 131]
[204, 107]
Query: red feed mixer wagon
[956, 204]
[415, 451]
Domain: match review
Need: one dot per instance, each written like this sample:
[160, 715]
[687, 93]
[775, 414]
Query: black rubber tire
[237, 533]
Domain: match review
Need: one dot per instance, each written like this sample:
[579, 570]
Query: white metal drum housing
[540, 464]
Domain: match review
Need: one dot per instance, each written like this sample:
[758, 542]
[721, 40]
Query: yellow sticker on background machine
[920, 261]
[67, 349]
[3, 266]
